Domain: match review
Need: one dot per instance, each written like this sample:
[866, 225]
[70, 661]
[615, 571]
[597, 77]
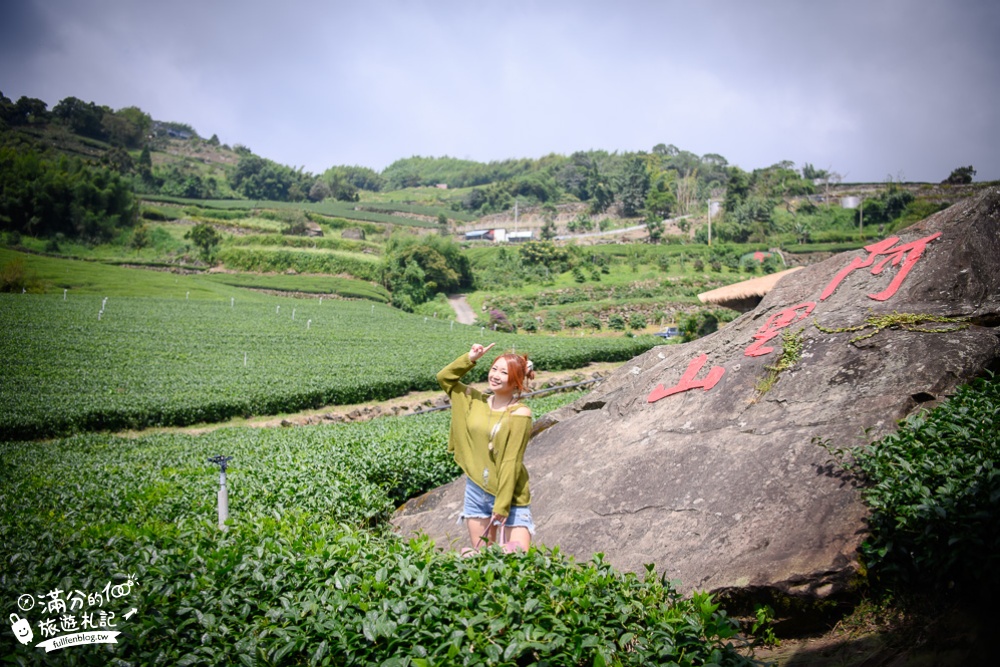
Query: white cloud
[865, 88]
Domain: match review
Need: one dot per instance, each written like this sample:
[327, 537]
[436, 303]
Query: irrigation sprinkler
[293, 314]
[321, 301]
[452, 328]
[222, 461]
[244, 360]
[308, 324]
[232, 302]
[188, 295]
[64, 294]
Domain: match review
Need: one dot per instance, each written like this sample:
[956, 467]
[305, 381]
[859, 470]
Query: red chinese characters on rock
[688, 382]
[775, 324]
[904, 256]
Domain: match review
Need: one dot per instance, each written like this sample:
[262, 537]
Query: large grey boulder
[726, 488]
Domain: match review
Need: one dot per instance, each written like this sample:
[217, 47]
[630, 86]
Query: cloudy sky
[870, 89]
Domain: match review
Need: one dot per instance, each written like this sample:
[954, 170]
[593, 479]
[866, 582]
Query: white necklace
[496, 427]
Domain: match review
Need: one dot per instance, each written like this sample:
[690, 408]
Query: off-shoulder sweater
[501, 472]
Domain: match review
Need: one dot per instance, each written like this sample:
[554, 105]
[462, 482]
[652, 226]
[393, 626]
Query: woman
[488, 437]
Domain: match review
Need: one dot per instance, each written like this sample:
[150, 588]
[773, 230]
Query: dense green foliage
[934, 490]
[418, 268]
[133, 362]
[62, 198]
[260, 179]
[305, 573]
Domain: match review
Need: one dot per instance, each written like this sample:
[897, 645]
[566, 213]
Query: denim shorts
[479, 505]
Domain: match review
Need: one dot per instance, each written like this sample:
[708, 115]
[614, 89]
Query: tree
[687, 193]
[549, 227]
[632, 186]
[118, 159]
[319, 190]
[145, 165]
[655, 227]
[545, 254]
[28, 110]
[84, 118]
[754, 219]
[737, 189]
[46, 198]
[660, 200]
[417, 268]
[206, 238]
[140, 237]
[811, 173]
[131, 126]
[960, 176]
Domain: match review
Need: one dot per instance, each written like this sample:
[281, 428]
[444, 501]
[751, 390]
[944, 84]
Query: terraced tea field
[83, 363]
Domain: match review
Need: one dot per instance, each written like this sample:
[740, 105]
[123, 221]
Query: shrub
[616, 322]
[637, 321]
[592, 321]
[499, 322]
[573, 322]
[552, 323]
[157, 214]
[934, 491]
[13, 276]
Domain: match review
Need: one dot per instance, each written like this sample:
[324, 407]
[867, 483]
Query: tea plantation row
[83, 363]
[307, 573]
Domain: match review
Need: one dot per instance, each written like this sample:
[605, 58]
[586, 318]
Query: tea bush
[86, 364]
[934, 491]
[307, 572]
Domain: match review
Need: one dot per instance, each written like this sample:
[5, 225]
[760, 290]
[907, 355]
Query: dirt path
[463, 312]
[414, 402]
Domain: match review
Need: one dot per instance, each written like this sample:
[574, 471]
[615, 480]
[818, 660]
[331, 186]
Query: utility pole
[710, 221]
[861, 217]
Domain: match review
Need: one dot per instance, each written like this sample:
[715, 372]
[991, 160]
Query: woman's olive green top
[499, 472]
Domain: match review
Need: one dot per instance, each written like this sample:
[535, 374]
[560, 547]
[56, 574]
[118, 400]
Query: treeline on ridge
[664, 181]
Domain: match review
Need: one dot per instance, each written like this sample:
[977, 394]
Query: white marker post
[222, 461]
